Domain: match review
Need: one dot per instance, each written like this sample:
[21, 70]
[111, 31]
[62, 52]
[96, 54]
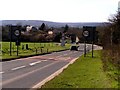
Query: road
[27, 72]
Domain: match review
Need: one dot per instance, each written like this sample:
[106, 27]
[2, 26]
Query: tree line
[39, 34]
[111, 48]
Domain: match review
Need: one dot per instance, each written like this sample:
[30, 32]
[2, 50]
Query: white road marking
[26, 74]
[1, 72]
[31, 64]
[45, 60]
[56, 73]
[18, 68]
[51, 58]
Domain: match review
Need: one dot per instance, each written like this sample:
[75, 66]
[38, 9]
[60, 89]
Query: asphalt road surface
[26, 73]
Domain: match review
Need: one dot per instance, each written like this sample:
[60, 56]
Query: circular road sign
[17, 33]
[85, 33]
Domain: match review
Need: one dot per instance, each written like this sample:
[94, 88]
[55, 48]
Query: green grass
[111, 67]
[84, 73]
[113, 72]
[47, 47]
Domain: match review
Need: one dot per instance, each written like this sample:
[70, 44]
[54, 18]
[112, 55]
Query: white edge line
[53, 75]
[18, 68]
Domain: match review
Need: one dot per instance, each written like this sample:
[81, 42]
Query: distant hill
[37, 23]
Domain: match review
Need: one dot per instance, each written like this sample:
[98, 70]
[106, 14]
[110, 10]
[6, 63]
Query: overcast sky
[58, 10]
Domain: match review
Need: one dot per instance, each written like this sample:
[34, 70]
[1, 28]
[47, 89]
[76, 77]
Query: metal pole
[93, 39]
[10, 39]
[85, 48]
[17, 50]
[92, 49]
[17, 45]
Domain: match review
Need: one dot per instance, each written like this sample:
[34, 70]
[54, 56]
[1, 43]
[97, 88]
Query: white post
[63, 40]
[119, 6]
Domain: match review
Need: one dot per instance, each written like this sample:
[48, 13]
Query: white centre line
[18, 68]
[31, 64]
[1, 72]
[45, 60]
[26, 74]
[51, 58]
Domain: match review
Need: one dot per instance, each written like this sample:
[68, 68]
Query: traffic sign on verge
[89, 35]
[17, 32]
[86, 33]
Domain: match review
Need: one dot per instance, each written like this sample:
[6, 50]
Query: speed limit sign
[17, 32]
[86, 33]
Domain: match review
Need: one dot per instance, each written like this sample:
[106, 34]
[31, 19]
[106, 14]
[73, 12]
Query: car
[75, 48]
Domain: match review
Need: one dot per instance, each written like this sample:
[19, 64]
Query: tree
[57, 37]
[115, 28]
[66, 28]
[42, 27]
[111, 42]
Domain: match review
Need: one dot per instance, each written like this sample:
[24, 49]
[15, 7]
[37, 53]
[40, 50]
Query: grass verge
[34, 49]
[86, 72]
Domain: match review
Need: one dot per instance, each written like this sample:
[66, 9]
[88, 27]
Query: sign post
[89, 35]
[93, 38]
[10, 39]
[17, 33]
[84, 48]
[85, 34]
[92, 49]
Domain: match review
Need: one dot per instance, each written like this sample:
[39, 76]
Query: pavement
[33, 72]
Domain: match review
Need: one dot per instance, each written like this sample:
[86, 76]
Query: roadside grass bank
[31, 50]
[111, 66]
[86, 72]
